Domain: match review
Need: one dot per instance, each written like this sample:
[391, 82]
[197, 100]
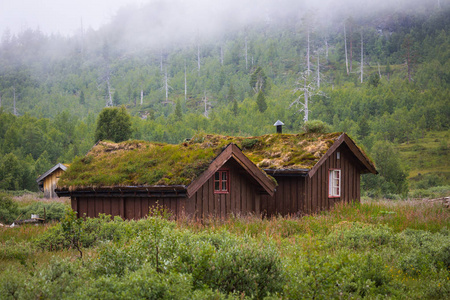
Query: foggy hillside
[379, 71]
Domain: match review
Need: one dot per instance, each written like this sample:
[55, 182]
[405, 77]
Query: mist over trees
[180, 69]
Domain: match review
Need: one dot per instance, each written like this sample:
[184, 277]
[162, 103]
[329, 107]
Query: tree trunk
[246, 54]
[142, 96]
[307, 51]
[379, 72]
[306, 102]
[108, 86]
[362, 57]
[166, 86]
[185, 82]
[345, 47]
[351, 49]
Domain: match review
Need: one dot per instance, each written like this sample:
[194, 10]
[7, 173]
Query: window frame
[331, 180]
[221, 181]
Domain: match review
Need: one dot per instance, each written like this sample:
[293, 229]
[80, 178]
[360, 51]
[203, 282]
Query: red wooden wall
[126, 207]
[304, 195]
[295, 195]
[243, 196]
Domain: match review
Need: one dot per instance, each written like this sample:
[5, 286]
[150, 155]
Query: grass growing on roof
[134, 163]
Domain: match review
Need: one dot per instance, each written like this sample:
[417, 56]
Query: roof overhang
[369, 166]
[53, 169]
[287, 172]
[231, 151]
[161, 191]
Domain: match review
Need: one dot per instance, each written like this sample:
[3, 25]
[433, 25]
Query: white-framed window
[334, 183]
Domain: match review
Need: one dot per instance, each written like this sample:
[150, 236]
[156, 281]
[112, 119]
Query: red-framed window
[334, 183]
[222, 182]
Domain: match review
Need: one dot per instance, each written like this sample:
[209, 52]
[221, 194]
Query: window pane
[216, 186]
[216, 176]
[224, 175]
[224, 185]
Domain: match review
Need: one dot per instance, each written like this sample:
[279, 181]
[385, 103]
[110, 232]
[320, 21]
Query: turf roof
[138, 163]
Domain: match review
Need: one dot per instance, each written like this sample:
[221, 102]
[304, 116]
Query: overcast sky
[65, 16]
[58, 16]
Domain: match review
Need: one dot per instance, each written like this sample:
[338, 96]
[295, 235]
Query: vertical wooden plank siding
[318, 198]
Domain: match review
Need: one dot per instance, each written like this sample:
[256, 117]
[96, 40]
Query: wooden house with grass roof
[216, 176]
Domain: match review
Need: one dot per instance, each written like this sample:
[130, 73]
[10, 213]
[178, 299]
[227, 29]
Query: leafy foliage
[113, 124]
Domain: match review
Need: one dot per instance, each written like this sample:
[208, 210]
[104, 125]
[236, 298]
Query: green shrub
[246, 267]
[316, 126]
[13, 250]
[9, 210]
[12, 284]
[358, 235]
[313, 276]
[427, 251]
[53, 210]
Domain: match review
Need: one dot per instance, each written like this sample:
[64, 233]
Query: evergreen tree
[235, 108]
[261, 101]
[178, 112]
[113, 123]
[82, 99]
[116, 99]
[231, 93]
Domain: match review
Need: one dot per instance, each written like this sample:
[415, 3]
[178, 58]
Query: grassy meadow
[374, 249]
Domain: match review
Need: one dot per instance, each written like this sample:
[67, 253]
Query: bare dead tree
[14, 105]
[185, 82]
[379, 71]
[362, 56]
[109, 101]
[306, 85]
[207, 104]
[166, 86]
[246, 54]
[309, 25]
[345, 47]
[351, 47]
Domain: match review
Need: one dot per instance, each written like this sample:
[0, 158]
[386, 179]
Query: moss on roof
[139, 163]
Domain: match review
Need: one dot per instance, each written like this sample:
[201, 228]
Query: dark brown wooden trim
[233, 151]
[344, 138]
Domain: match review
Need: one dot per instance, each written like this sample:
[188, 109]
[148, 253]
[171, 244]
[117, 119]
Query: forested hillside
[382, 75]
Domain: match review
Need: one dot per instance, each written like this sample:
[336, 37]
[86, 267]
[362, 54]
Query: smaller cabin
[47, 181]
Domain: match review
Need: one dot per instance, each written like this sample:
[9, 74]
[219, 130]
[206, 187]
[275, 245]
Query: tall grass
[398, 215]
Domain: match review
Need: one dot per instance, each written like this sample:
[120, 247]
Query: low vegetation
[377, 249]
